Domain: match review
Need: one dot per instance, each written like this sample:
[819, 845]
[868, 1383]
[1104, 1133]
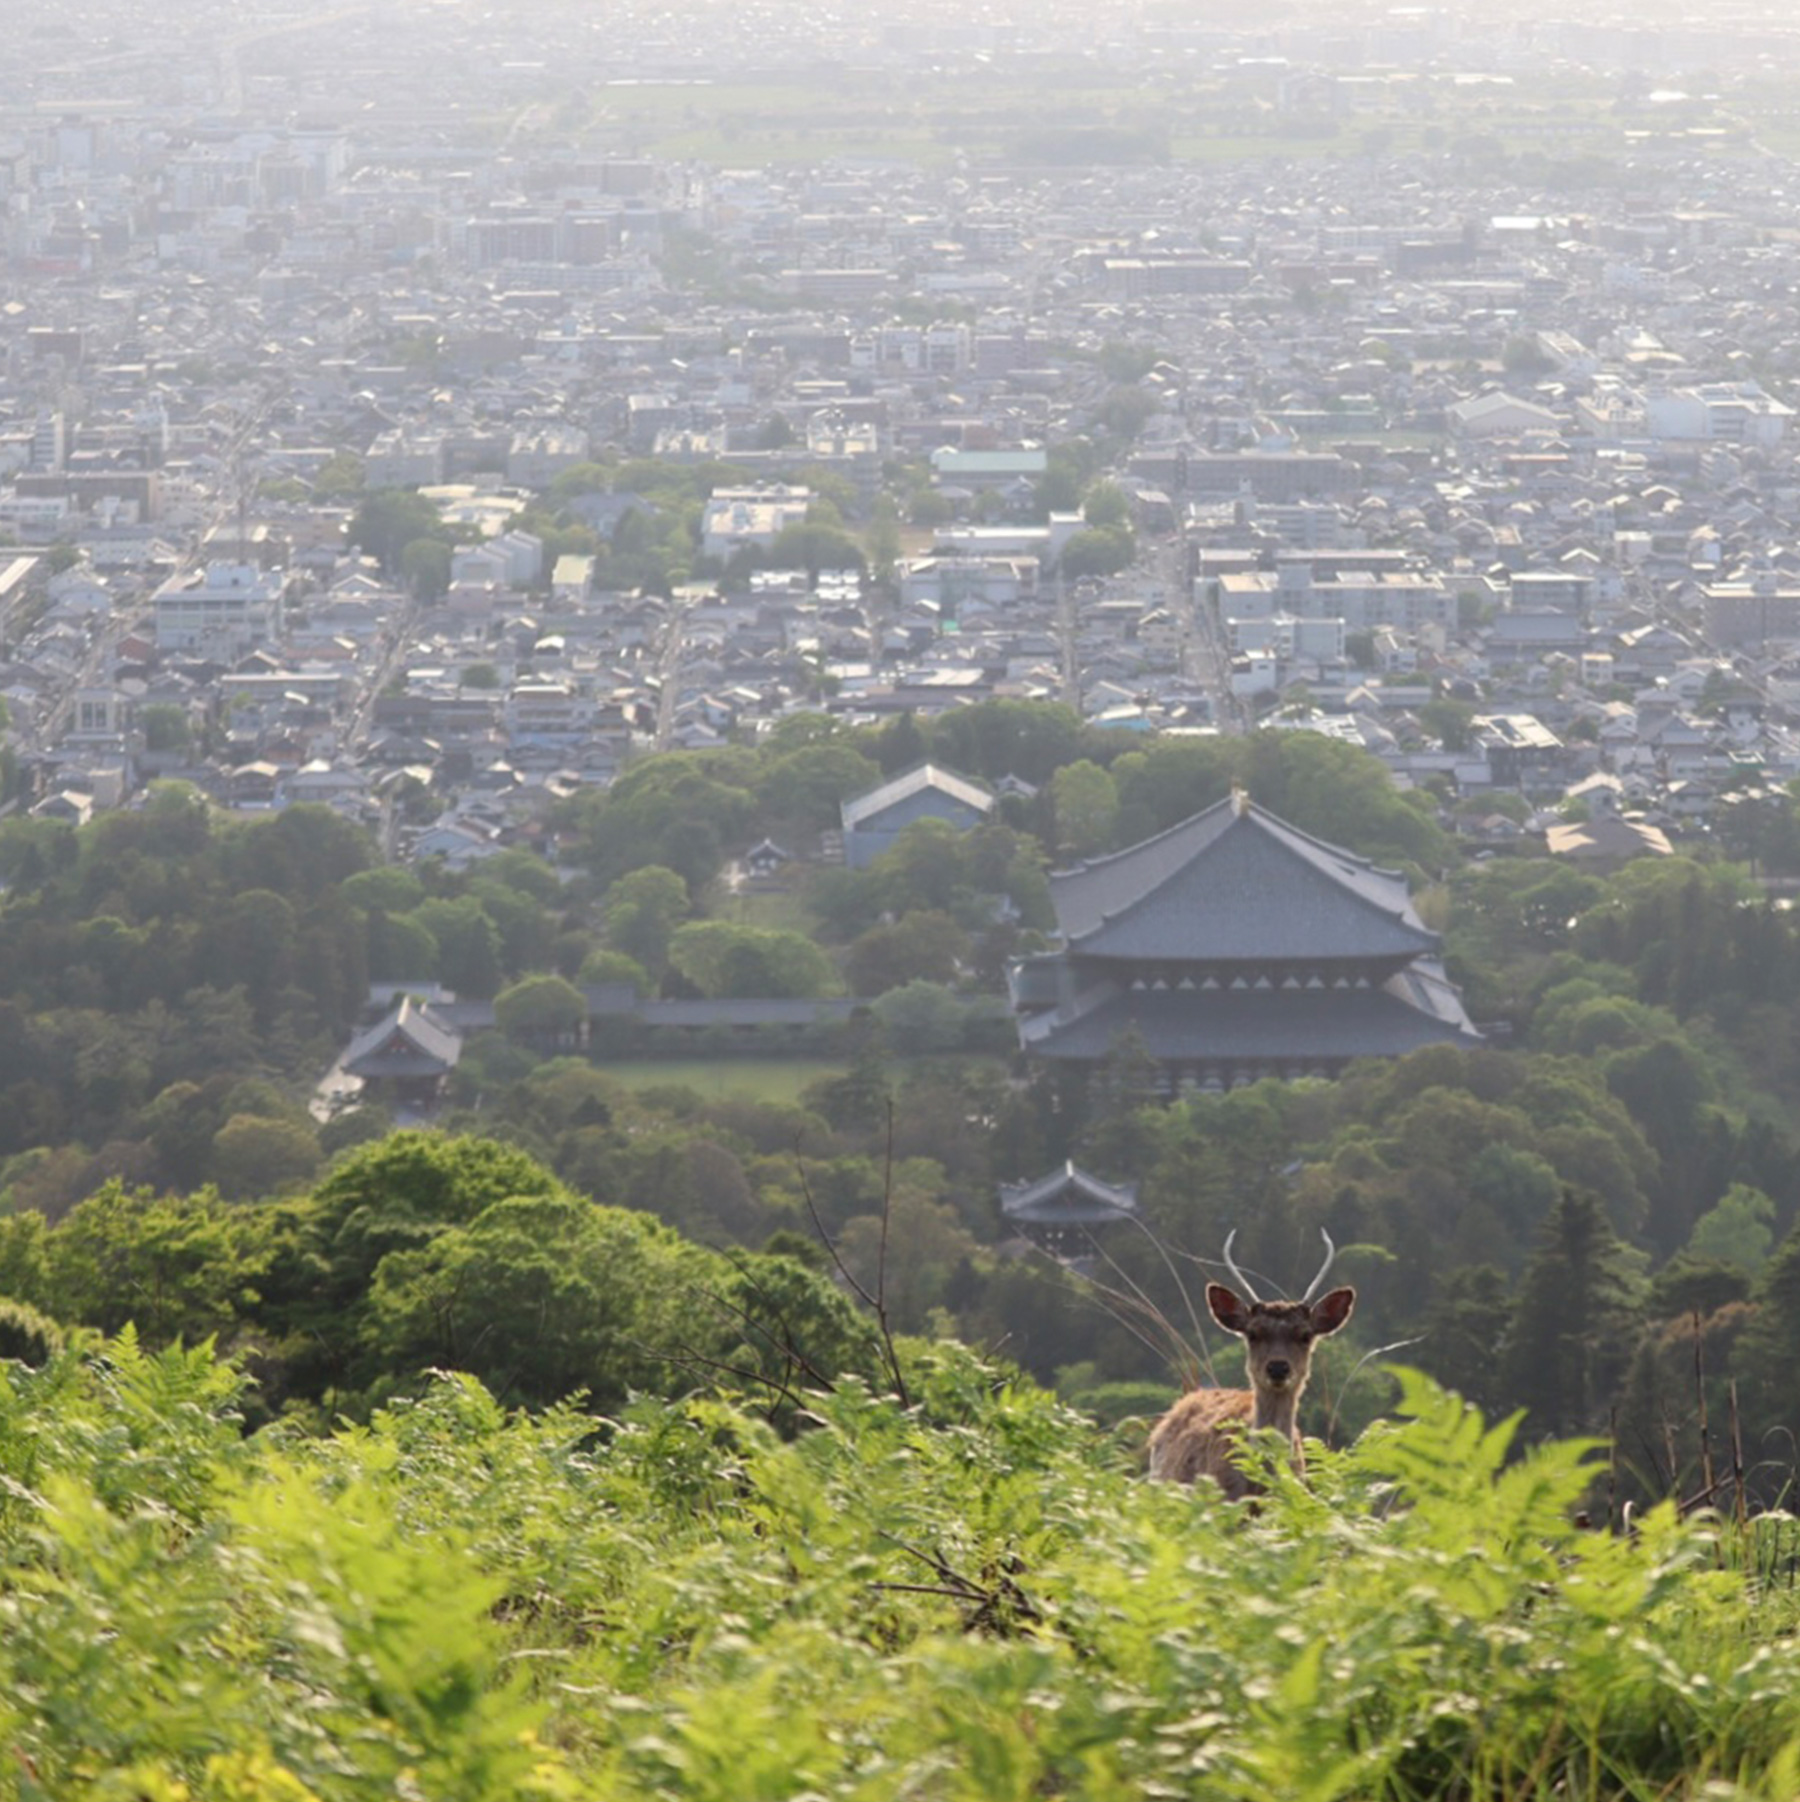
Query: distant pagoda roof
[1068, 1197]
[1236, 884]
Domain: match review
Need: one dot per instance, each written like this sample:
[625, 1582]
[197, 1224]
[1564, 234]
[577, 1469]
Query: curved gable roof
[1237, 884]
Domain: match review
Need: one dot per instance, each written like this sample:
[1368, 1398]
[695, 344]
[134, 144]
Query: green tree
[401, 949]
[1522, 356]
[387, 888]
[923, 946]
[26, 1336]
[813, 546]
[1449, 721]
[642, 912]
[340, 479]
[176, 1266]
[165, 727]
[882, 540]
[540, 1009]
[602, 967]
[1098, 551]
[1106, 507]
[721, 959]
[425, 566]
[1085, 801]
[678, 810]
[396, 1195]
[388, 520]
[1574, 1321]
[925, 1244]
[1737, 1229]
[1463, 1332]
[1769, 1352]
[255, 1157]
[543, 1297]
[930, 509]
[579, 479]
[921, 1018]
[807, 786]
[468, 943]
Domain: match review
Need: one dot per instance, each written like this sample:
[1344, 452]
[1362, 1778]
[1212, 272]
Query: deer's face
[1278, 1336]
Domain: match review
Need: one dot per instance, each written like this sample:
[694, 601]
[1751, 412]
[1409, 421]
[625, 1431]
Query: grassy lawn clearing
[762, 1078]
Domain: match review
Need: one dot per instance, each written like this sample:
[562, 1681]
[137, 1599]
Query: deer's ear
[1227, 1309]
[1330, 1311]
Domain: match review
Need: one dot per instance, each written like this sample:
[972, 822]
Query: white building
[223, 611]
[736, 518]
[1737, 412]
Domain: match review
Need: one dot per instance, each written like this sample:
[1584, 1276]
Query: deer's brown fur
[1202, 1434]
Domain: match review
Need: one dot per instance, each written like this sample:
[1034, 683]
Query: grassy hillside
[972, 1596]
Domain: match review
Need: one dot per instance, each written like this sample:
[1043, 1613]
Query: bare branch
[697, 1361]
[1356, 1370]
[825, 1239]
[1121, 1308]
[785, 1343]
[881, 1312]
[878, 1301]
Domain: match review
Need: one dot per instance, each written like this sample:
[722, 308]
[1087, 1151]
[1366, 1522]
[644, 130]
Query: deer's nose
[1279, 1370]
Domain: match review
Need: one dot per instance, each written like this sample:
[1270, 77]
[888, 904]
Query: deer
[1202, 1435]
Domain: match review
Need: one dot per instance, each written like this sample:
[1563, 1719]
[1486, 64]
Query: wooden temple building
[1063, 1212]
[1234, 947]
[405, 1056]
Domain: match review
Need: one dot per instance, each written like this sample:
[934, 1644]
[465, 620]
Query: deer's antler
[1243, 1282]
[1318, 1281]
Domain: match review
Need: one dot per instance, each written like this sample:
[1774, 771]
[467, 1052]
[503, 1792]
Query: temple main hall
[1234, 947]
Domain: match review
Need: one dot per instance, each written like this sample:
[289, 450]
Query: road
[1205, 656]
[95, 664]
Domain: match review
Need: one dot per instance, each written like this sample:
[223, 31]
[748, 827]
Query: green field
[761, 1078]
[777, 1079]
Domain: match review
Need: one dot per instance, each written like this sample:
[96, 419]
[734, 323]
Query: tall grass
[976, 1596]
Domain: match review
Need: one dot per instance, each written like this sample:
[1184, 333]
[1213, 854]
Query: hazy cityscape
[1190, 371]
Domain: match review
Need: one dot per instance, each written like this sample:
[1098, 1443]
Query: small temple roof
[1234, 883]
[409, 1041]
[1067, 1197]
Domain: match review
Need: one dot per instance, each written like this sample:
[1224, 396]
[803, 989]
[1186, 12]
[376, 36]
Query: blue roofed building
[872, 822]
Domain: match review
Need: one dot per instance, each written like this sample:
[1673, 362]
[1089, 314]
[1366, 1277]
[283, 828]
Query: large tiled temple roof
[1237, 884]
[1322, 1026]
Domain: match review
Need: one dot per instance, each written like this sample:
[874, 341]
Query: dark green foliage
[1098, 551]
[152, 961]
[26, 1336]
[540, 1296]
[1770, 1353]
[1572, 1328]
[389, 520]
